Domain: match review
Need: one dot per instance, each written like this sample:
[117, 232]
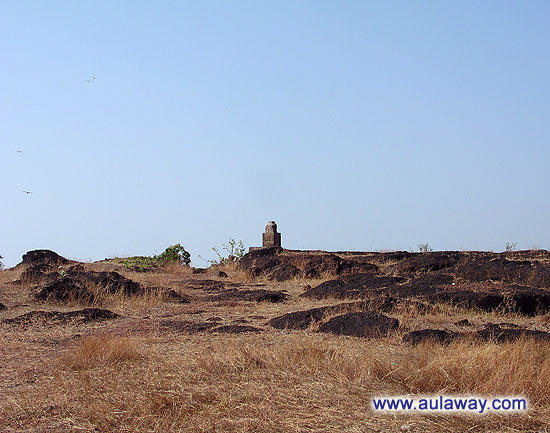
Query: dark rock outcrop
[2, 307]
[276, 264]
[235, 329]
[81, 316]
[527, 302]
[505, 335]
[64, 290]
[526, 272]
[366, 324]
[187, 326]
[303, 319]
[206, 285]
[173, 296]
[463, 322]
[75, 282]
[425, 262]
[111, 282]
[351, 286]
[47, 257]
[39, 273]
[492, 333]
[435, 335]
[260, 295]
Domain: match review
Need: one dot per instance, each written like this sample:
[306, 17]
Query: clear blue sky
[355, 125]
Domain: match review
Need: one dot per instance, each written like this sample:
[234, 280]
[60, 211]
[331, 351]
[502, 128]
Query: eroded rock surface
[82, 316]
[366, 324]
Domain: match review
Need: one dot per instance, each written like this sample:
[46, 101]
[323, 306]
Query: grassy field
[133, 374]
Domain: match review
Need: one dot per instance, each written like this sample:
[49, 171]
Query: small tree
[175, 254]
[424, 248]
[235, 250]
[511, 246]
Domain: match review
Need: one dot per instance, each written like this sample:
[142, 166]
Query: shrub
[424, 248]
[234, 249]
[174, 254]
[511, 246]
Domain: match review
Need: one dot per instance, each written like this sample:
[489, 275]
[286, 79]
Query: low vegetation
[231, 252]
[174, 254]
[101, 351]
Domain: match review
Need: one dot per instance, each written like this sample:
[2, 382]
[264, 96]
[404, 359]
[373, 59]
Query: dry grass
[119, 300]
[177, 269]
[102, 351]
[132, 375]
[281, 383]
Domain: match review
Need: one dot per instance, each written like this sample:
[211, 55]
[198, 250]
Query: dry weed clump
[176, 269]
[148, 298]
[102, 350]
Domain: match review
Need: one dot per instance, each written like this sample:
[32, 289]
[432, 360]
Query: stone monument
[271, 238]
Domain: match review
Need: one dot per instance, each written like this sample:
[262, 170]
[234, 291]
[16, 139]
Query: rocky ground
[282, 341]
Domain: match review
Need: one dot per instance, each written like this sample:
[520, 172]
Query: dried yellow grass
[284, 383]
[102, 350]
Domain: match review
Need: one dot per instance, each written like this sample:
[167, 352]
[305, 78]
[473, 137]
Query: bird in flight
[91, 80]
[19, 151]
[27, 192]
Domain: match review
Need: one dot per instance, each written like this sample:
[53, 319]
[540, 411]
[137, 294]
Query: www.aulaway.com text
[442, 403]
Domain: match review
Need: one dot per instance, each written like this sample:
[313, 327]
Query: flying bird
[27, 192]
[19, 151]
[92, 79]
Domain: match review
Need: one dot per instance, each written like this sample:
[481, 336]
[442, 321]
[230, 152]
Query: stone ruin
[270, 238]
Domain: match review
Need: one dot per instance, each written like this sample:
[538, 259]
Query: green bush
[174, 254]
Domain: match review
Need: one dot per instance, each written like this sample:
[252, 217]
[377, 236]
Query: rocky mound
[435, 335]
[39, 273]
[505, 335]
[280, 265]
[207, 285]
[40, 257]
[525, 272]
[187, 326]
[528, 302]
[64, 290]
[75, 283]
[425, 262]
[352, 286]
[366, 324]
[173, 296]
[303, 319]
[492, 332]
[235, 329]
[260, 295]
[80, 316]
